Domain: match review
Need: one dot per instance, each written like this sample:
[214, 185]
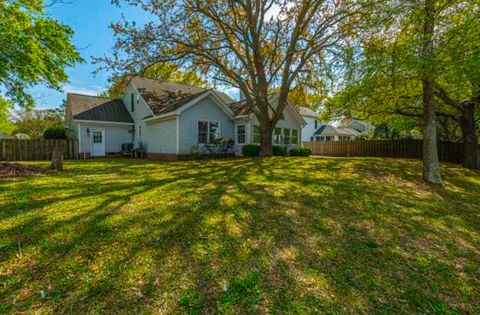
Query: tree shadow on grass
[241, 236]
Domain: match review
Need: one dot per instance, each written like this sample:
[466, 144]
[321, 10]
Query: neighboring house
[315, 130]
[358, 125]
[167, 119]
[331, 133]
[311, 123]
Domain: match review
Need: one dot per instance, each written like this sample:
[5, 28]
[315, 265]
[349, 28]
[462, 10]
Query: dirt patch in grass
[20, 170]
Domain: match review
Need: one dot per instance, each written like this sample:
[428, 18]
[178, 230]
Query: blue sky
[90, 20]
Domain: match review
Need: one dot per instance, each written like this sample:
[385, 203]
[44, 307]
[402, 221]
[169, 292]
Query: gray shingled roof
[164, 96]
[86, 107]
[331, 130]
[305, 111]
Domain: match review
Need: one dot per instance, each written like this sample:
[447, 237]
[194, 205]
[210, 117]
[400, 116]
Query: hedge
[301, 152]
[279, 150]
[250, 150]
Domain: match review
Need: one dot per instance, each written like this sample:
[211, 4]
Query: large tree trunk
[431, 167]
[470, 139]
[266, 139]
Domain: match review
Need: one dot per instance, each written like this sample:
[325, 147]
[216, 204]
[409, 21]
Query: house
[2, 136]
[315, 130]
[311, 123]
[287, 132]
[331, 133]
[168, 120]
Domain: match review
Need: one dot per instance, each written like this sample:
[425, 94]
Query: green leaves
[35, 49]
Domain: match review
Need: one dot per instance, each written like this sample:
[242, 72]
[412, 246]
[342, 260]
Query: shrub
[279, 150]
[54, 133]
[301, 152]
[251, 150]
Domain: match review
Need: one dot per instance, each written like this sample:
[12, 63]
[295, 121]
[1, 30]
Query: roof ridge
[168, 81]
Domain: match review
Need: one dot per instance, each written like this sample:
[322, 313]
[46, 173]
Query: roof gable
[307, 112]
[241, 108]
[86, 107]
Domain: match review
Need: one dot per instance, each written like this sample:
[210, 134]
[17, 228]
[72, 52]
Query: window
[329, 138]
[344, 138]
[203, 132]
[286, 135]
[97, 136]
[294, 137]
[214, 131]
[241, 134]
[256, 134]
[140, 131]
[316, 124]
[132, 102]
[277, 136]
[208, 131]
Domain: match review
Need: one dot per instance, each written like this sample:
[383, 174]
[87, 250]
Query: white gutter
[102, 122]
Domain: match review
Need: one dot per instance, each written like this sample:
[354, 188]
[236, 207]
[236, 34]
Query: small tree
[55, 133]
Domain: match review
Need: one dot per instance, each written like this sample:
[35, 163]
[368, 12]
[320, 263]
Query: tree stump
[57, 160]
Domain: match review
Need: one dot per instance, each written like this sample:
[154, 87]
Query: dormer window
[132, 102]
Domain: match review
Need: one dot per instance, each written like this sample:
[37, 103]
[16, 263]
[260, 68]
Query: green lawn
[277, 235]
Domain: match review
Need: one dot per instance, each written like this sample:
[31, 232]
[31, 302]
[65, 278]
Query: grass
[277, 235]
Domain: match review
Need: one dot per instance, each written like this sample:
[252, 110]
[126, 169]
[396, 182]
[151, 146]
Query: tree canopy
[382, 71]
[257, 46]
[34, 49]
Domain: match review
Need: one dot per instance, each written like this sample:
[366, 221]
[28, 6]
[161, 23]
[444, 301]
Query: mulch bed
[20, 170]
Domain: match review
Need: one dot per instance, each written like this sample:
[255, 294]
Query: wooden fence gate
[447, 151]
[39, 149]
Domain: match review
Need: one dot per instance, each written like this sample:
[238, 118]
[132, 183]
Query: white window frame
[294, 137]
[208, 130]
[245, 134]
[281, 136]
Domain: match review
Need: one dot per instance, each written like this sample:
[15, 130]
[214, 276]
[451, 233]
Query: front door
[98, 142]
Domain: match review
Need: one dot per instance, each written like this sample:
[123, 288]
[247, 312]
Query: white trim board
[102, 122]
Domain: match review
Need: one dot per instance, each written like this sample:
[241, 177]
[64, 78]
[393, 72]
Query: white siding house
[168, 120]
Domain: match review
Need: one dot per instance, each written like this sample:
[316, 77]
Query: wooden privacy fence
[447, 151]
[40, 149]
